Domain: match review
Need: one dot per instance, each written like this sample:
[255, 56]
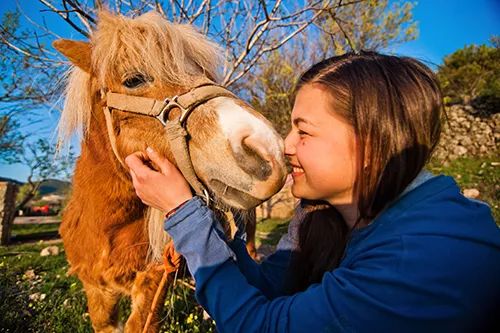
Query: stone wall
[467, 133]
[8, 193]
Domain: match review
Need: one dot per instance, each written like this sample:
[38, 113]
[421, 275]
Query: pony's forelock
[173, 53]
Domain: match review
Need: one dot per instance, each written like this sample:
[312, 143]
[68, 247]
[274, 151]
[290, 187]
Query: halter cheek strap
[175, 129]
[111, 134]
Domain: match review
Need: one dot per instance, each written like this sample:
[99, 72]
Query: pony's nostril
[253, 158]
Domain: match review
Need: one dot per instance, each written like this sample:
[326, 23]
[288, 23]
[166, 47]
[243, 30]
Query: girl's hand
[164, 190]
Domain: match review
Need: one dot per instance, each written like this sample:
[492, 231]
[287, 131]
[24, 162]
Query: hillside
[50, 186]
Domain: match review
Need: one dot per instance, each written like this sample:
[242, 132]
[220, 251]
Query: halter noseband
[175, 129]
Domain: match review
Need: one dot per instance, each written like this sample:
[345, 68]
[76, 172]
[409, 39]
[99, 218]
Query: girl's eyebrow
[299, 120]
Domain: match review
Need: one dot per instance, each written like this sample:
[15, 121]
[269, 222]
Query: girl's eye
[302, 133]
[136, 80]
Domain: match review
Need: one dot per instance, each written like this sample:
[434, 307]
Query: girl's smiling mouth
[297, 171]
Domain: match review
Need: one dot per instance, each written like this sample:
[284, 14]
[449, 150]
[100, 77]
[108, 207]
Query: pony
[113, 242]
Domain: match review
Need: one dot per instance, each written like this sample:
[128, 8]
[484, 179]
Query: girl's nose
[290, 144]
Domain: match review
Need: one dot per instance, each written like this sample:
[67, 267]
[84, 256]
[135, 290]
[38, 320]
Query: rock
[49, 251]
[30, 274]
[460, 150]
[471, 193]
[466, 141]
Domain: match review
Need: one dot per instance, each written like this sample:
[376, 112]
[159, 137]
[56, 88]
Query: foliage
[472, 74]
[366, 25]
[21, 310]
[11, 138]
[28, 83]
[271, 90]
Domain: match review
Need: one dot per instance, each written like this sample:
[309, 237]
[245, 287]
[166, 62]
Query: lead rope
[171, 263]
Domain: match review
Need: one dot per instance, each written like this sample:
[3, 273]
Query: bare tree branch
[65, 15]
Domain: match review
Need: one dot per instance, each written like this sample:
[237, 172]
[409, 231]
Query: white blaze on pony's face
[235, 152]
[243, 161]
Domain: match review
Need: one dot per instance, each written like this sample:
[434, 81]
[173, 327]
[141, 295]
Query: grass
[269, 231]
[34, 229]
[26, 276]
[37, 296]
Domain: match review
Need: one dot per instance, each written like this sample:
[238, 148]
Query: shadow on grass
[22, 233]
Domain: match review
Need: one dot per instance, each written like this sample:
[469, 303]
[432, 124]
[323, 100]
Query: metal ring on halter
[169, 105]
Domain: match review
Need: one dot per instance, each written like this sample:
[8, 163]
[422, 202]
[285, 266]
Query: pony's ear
[76, 51]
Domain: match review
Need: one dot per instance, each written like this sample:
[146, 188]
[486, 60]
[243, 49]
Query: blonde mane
[175, 54]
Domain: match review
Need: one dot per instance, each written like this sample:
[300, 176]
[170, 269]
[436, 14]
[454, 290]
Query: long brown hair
[395, 106]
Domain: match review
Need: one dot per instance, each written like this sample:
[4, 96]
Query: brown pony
[113, 242]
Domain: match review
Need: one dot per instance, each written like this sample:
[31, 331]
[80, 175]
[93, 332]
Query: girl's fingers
[136, 164]
[162, 162]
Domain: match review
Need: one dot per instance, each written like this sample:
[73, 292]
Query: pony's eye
[136, 80]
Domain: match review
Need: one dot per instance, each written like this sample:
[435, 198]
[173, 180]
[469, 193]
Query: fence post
[8, 193]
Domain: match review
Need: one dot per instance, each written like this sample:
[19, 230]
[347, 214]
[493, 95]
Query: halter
[175, 129]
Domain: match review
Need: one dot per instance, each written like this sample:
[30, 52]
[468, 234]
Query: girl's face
[321, 148]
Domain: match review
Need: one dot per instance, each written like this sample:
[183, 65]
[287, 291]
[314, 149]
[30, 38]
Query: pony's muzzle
[267, 169]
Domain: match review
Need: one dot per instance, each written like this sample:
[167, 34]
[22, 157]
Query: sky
[444, 26]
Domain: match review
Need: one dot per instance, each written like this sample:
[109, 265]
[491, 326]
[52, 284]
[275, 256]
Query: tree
[365, 25]
[44, 163]
[27, 84]
[11, 138]
[250, 32]
[472, 73]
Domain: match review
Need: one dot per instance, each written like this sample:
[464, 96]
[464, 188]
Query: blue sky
[448, 25]
[444, 26]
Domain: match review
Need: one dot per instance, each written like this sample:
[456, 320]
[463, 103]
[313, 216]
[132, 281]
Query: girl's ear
[77, 52]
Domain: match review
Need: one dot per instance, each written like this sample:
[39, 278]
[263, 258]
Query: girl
[377, 244]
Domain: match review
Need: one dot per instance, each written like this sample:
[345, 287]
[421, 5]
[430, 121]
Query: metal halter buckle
[169, 104]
